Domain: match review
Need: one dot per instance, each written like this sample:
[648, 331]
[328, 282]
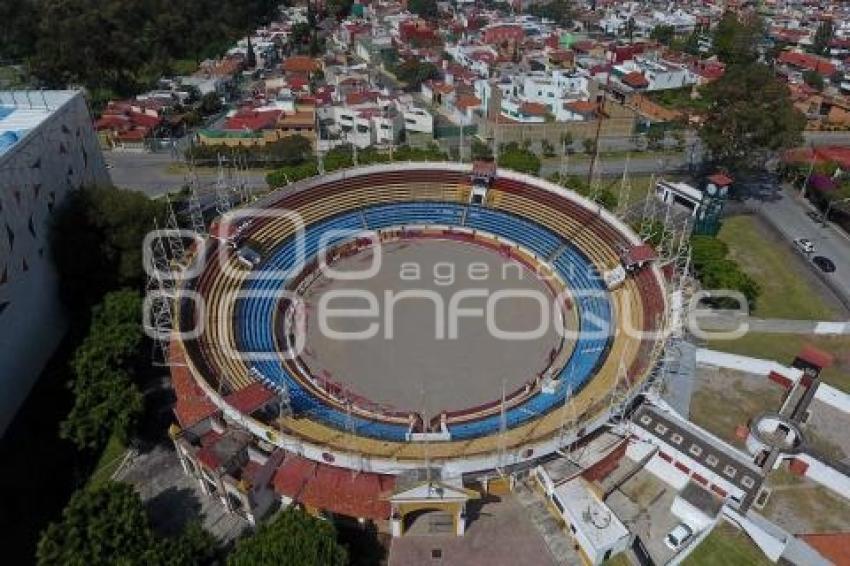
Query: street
[787, 214]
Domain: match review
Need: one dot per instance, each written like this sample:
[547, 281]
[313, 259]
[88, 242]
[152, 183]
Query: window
[645, 419]
[661, 429]
[729, 471]
[557, 503]
[712, 460]
[695, 450]
[676, 438]
[747, 482]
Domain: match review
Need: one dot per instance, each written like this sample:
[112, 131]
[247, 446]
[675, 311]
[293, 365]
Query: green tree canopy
[823, 36]
[735, 41]
[96, 239]
[117, 47]
[424, 8]
[751, 117]
[108, 525]
[663, 34]
[106, 397]
[414, 73]
[292, 538]
[519, 159]
[562, 12]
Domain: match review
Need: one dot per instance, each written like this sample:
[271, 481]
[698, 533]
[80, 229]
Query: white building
[47, 149]
[599, 533]
[657, 74]
[530, 97]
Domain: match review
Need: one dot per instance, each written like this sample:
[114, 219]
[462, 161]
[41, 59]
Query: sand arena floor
[406, 365]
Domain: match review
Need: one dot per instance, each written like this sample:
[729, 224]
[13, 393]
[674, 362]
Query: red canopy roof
[816, 356]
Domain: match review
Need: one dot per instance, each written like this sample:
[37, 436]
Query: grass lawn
[722, 400]
[783, 347]
[726, 546]
[777, 270]
[619, 560]
[107, 464]
[801, 506]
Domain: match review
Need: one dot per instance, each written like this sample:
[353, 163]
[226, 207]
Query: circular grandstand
[427, 381]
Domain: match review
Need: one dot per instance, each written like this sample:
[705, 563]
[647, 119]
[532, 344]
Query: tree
[292, 538]
[630, 29]
[735, 41]
[291, 150]
[589, 146]
[210, 103]
[706, 249]
[96, 240]
[512, 156]
[425, 8]
[655, 138]
[414, 73]
[663, 34]
[108, 525]
[338, 9]
[751, 117]
[562, 12]
[813, 79]
[823, 37]
[106, 398]
[548, 148]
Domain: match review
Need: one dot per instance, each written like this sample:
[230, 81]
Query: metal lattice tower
[596, 178]
[625, 191]
[196, 213]
[222, 191]
[569, 423]
[647, 219]
[175, 241]
[619, 398]
[161, 288]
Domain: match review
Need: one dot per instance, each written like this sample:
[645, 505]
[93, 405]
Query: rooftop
[589, 514]
[22, 111]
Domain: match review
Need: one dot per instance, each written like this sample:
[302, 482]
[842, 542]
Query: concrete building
[48, 148]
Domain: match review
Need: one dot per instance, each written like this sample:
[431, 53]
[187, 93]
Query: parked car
[804, 245]
[677, 538]
[815, 215]
[824, 263]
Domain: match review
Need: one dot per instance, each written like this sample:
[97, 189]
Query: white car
[677, 538]
[804, 245]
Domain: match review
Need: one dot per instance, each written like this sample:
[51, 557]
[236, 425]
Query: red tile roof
[253, 120]
[832, 546]
[635, 80]
[816, 356]
[581, 106]
[639, 254]
[808, 62]
[465, 101]
[533, 108]
[249, 399]
[300, 64]
[720, 179]
[192, 404]
[334, 489]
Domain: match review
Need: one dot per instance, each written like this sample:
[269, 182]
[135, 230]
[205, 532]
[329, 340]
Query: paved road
[786, 211]
[158, 173]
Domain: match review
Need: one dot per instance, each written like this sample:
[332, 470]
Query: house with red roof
[794, 63]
